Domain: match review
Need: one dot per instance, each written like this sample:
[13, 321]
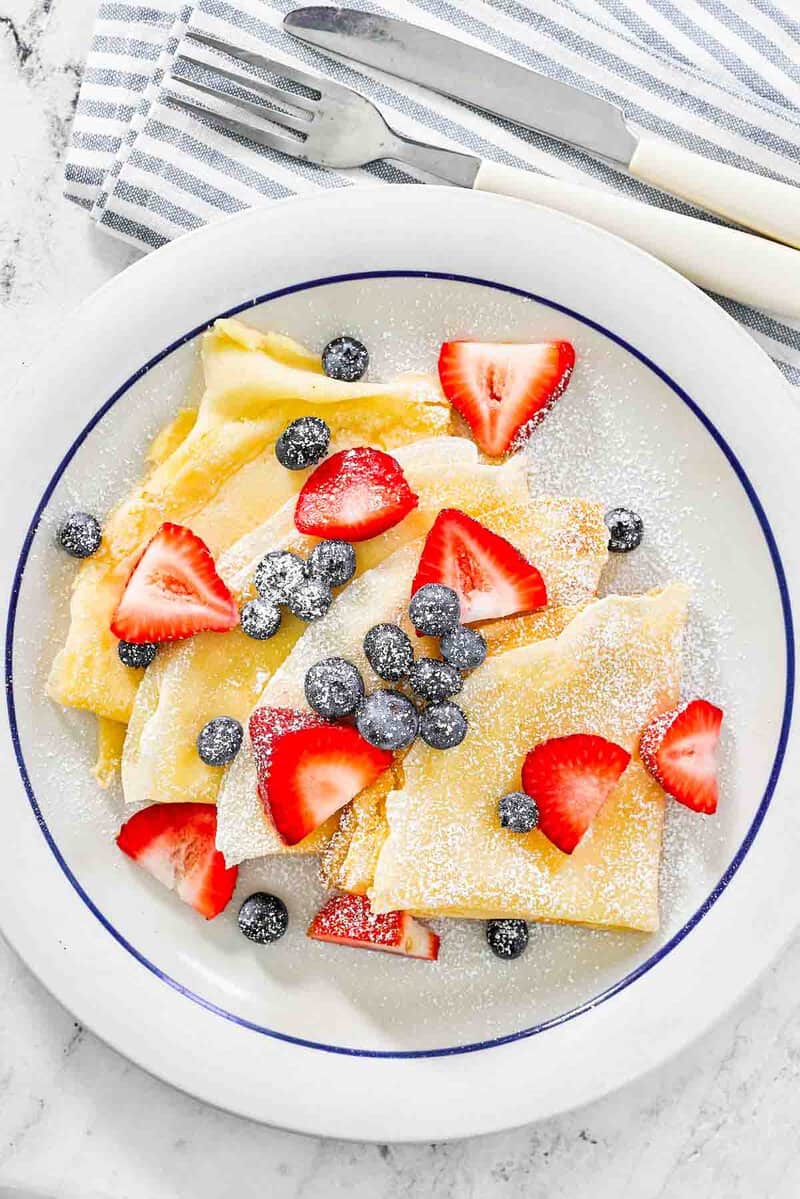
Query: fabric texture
[720, 77]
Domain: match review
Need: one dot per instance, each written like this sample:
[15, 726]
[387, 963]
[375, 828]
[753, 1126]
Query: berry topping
[463, 648]
[346, 359]
[508, 939]
[387, 720]
[334, 688]
[136, 656]
[355, 494]
[625, 530]
[308, 770]
[680, 751]
[518, 812]
[434, 680]
[349, 920]
[443, 726]
[332, 561]
[175, 842]
[310, 600]
[80, 535]
[499, 387]
[434, 609]
[220, 740]
[303, 443]
[260, 619]
[173, 592]
[569, 779]
[278, 574]
[263, 918]
[389, 652]
[490, 576]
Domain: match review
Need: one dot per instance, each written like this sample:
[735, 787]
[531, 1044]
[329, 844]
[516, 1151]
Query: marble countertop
[719, 1121]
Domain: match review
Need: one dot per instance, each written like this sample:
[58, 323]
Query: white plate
[674, 410]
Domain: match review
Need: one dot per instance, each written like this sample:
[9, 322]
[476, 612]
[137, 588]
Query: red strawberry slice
[349, 920]
[355, 494]
[680, 751]
[173, 591]
[308, 769]
[491, 577]
[175, 842]
[498, 387]
[570, 778]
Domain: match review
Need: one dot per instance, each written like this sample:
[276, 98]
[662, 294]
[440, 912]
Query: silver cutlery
[313, 119]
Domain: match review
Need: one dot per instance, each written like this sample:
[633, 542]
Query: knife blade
[465, 73]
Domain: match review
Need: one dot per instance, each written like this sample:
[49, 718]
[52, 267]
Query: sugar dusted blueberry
[518, 812]
[80, 535]
[333, 561]
[220, 740]
[463, 648]
[303, 443]
[136, 655]
[310, 600]
[625, 529]
[434, 609]
[434, 680]
[443, 726]
[507, 939]
[260, 619]
[345, 358]
[389, 652]
[263, 918]
[388, 720]
[334, 688]
[278, 574]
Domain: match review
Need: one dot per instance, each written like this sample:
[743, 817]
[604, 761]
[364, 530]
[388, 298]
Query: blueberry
[80, 535]
[303, 443]
[626, 529]
[263, 918]
[389, 652]
[310, 600]
[260, 619]
[387, 720]
[334, 688]
[508, 939]
[278, 574]
[443, 726]
[434, 680]
[463, 648]
[220, 740]
[345, 358]
[518, 812]
[332, 561]
[136, 655]
[434, 609]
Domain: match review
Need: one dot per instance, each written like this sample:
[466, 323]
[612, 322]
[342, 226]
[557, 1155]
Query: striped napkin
[721, 77]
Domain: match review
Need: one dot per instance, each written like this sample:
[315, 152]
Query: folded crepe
[215, 470]
[565, 538]
[616, 666]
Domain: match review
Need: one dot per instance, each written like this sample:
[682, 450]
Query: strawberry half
[355, 494]
[173, 591]
[349, 920]
[498, 387]
[680, 751]
[175, 842]
[490, 576]
[308, 769]
[570, 778]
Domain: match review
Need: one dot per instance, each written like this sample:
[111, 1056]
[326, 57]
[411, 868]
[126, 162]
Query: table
[77, 1120]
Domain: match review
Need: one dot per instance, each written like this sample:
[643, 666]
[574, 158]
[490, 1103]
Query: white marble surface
[720, 1121]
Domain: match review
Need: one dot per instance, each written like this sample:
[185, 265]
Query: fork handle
[732, 263]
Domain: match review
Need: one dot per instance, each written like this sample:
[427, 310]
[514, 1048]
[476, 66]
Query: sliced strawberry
[173, 591]
[498, 387]
[175, 842]
[349, 920]
[491, 577]
[570, 778]
[308, 769]
[680, 751]
[355, 494]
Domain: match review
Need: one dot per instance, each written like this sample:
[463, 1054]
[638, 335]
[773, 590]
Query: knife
[463, 72]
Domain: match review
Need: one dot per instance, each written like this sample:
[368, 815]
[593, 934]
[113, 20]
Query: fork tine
[314, 83]
[294, 147]
[275, 94]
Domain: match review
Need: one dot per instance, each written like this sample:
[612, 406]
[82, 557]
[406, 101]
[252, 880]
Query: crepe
[615, 667]
[565, 538]
[216, 471]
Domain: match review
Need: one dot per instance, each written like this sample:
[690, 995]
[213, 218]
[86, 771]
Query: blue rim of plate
[677, 937]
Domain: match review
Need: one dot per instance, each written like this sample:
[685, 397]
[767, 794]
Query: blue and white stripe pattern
[721, 77]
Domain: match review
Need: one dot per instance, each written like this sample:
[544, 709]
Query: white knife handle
[762, 204]
[749, 269]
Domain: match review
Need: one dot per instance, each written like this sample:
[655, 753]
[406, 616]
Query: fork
[314, 119]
